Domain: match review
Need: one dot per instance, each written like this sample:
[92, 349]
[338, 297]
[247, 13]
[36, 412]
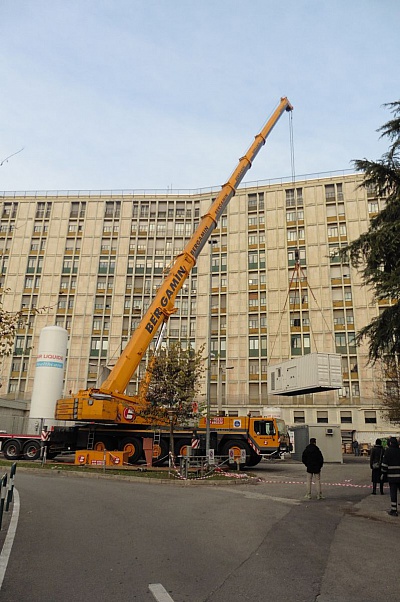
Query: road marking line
[160, 593]
[6, 551]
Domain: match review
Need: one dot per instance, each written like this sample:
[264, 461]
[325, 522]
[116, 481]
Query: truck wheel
[160, 453]
[236, 446]
[31, 450]
[181, 447]
[254, 459]
[12, 449]
[134, 448]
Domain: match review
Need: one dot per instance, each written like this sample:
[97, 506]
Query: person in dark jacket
[375, 462]
[391, 468]
[313, 460]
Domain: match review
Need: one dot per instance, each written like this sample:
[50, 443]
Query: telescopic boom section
[163, 304]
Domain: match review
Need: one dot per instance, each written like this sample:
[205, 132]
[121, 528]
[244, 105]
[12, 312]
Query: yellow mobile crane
[108, 408]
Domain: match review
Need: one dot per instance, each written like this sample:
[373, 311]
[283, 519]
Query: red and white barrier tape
[345, 484]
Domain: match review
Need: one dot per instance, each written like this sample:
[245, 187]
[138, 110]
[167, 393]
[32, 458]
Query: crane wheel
[160, 453]
[236, 446]
[181, 447]
[134, 448]
[254, 459]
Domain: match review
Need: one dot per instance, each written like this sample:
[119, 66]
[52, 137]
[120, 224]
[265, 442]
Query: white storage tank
[49, 373]
[310, 373]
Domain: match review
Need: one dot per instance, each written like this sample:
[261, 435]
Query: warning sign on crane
[129, 414]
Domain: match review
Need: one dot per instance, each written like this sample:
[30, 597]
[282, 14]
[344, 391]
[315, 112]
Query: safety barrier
[200, 468]
[7, 491]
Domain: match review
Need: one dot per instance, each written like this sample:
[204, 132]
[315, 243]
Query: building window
[295, 255]
[112, 209]
[253, 367]
[253, 260]
[292, 195]
[43, 210]
[346, 417]
[340, 340]
[254, 346]
[296, 342]
[352, 339]
[373, 207]
[292, 235]
[322, 417]
[370, 416]
[97, 324]
[98, 347]
[298, 417]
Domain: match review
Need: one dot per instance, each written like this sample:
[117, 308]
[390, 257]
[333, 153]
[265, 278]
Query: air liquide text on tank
[49, 372]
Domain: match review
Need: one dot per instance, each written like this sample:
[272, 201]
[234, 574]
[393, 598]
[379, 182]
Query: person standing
[356, 448]
[313, 460]
[375, 462]
[391, 468]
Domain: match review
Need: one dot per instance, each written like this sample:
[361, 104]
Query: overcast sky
[158, 94]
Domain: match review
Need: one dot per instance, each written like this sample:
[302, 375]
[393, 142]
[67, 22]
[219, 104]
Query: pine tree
[376, 253]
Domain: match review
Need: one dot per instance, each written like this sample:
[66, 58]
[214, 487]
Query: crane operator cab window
[264, 427]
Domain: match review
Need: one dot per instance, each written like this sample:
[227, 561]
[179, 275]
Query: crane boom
[163, 303]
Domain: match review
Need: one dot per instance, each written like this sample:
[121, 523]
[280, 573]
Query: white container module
[310, 373]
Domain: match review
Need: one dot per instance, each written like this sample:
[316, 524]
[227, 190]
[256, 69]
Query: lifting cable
[297, 270]
[318, 306]
[295, 284]
[281, 317]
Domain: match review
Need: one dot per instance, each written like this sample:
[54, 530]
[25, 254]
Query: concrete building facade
[268, 287]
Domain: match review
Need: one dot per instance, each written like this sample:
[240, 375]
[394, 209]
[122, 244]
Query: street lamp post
[211, 242]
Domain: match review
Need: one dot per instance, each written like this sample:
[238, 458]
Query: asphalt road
[94, 539]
